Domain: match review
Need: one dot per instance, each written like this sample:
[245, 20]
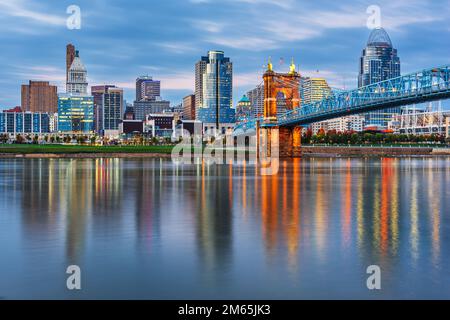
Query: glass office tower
[75, 113]
[214, 87]
[379, 61]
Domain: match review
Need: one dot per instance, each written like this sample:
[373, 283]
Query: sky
[119, 40]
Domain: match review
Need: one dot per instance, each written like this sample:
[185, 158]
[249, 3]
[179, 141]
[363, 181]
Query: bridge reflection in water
[225, 231]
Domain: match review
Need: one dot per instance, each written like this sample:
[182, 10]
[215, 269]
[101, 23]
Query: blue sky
[120, 40]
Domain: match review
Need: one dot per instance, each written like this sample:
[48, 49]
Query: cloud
[264, 29]
[21, 9]
[209, 26]
[177, 47]
[244, 43]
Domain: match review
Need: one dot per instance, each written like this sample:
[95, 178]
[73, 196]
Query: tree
[4, 138]
[19, 139]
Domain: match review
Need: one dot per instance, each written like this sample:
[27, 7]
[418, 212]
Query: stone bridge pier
[284, 142]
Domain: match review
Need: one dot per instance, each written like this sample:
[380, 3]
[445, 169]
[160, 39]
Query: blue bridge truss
[423, 86]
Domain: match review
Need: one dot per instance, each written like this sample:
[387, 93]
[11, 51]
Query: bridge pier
[284, 142]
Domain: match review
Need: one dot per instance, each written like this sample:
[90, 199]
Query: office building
[15, 123]
[98, 93]
[256, 97]
[379, 62]
[147, 89]
[39, 96]
[108, 109]
[77, 77]
[143, 108]
[313, 89]
[214, 89]
[189, 107]
[75, 113]
[112, 111]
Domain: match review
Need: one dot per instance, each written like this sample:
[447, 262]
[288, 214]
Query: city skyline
[173, 58]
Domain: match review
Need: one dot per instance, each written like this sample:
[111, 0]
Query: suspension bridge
[418, 87]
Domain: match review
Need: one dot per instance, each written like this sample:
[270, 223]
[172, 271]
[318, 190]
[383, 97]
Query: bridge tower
[286, 139]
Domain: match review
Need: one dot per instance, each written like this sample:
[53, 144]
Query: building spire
[269, 65]
[292, 67]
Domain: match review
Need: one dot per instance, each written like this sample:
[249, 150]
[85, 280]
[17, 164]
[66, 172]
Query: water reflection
[216, 220]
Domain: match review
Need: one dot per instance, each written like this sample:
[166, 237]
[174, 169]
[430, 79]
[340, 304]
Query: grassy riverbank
[74, 149]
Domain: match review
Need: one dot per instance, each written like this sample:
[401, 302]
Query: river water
[148, 229]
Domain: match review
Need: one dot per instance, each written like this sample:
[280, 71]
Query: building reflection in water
[315, 208]
[69, 192]
[214, 217]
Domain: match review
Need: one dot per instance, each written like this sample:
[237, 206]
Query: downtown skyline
[123, 45]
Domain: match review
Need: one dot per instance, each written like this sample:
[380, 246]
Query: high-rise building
[214, 88]
[77, 77]
[256, 97]
[189, 107]
[75, 113]
[75, 107]
[98, 93]
[147, 89]
[379, 62]
[39, 96]
[70, 55]
[112, 111]
[313, 89]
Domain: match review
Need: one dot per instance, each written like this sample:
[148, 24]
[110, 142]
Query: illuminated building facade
[24, 122]
[379, 62]
[313, 89]
[75, 113]
[214, 89]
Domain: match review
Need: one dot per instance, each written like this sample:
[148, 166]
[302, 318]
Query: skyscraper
[98, 93]
[189, 107]
[76, 107]
[313, 89]
[256, 97]
[77, 77]
[112, 111]
[379, 62]
[147, 89]
[39, 96]
[214, 89]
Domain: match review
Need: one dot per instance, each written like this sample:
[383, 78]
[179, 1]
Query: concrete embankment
[371, 151]
[85, 155]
